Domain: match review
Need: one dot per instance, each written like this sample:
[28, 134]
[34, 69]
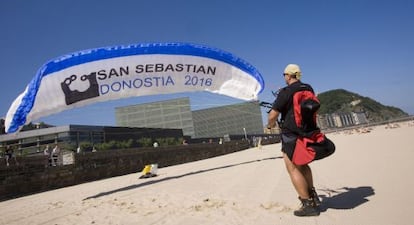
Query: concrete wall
[33, 174]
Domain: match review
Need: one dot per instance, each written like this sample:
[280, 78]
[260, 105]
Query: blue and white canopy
[110, 73]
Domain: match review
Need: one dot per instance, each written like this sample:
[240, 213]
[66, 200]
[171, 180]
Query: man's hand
[268, 130]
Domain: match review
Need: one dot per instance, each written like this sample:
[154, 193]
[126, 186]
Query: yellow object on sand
[146, 169]
[149, 171]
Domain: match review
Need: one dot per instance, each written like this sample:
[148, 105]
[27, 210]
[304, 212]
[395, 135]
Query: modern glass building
[174, 114]
[243, 118]
[213, 122]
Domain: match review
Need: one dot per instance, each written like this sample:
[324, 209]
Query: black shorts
[289, 144]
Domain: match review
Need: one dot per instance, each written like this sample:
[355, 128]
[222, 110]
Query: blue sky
[363, 46]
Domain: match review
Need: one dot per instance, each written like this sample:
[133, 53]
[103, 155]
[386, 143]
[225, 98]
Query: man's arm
[272, 118]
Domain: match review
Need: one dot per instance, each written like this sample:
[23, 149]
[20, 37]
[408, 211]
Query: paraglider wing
[110, 73]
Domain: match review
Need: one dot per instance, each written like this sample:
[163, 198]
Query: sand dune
[365, 182]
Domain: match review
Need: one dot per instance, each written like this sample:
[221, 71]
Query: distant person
[259, 142]
[55, 155]
[48, 154]
[78, 150]
[255, 139]
[155, 144]
[46, 151]
[9, 154]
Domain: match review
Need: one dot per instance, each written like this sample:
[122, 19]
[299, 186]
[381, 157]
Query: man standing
[55, 155]
[48, 154]
[9, 153]
[300, 175]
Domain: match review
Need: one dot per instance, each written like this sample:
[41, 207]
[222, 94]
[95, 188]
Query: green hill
[342, 101]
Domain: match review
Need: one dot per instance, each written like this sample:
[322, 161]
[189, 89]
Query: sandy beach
[366, 181]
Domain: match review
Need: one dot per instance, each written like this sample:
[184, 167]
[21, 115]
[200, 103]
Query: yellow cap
[293, 69]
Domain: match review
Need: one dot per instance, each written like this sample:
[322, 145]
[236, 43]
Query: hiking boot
[308, 208]
[314, 195]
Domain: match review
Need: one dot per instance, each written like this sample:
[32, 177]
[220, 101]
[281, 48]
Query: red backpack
[305, 107]
[311, 143]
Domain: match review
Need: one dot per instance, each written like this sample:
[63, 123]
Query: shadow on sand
[174, 177]
[345, 198]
